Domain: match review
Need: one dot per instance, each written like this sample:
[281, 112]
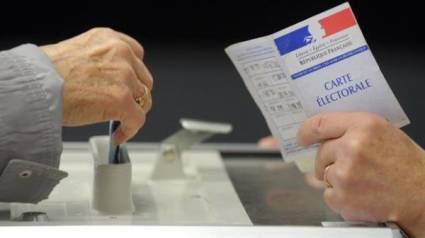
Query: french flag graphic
[308, 34]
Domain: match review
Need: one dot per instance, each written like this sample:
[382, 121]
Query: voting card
[322, 64]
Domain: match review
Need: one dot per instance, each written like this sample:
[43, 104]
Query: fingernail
[117, 137]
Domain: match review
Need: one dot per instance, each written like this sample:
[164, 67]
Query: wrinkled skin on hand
[376, 171]
[103, 73]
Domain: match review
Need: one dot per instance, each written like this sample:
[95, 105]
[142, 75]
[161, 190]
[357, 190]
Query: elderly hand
[375, 172]
[103, 74]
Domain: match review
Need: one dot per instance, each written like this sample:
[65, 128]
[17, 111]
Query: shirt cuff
[30, 125]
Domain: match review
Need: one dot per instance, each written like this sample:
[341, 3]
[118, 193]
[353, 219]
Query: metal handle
[169, 164]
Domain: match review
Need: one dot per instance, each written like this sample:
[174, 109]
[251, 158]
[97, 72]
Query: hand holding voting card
[322, 64]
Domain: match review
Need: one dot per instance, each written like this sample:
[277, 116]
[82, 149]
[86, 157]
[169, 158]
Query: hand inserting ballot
[104, 79]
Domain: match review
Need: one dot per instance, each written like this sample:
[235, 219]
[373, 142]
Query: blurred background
[185, 40]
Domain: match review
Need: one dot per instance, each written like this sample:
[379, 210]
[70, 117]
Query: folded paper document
[319, 65]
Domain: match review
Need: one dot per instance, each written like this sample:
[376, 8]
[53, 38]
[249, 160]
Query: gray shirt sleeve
[30, 125]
